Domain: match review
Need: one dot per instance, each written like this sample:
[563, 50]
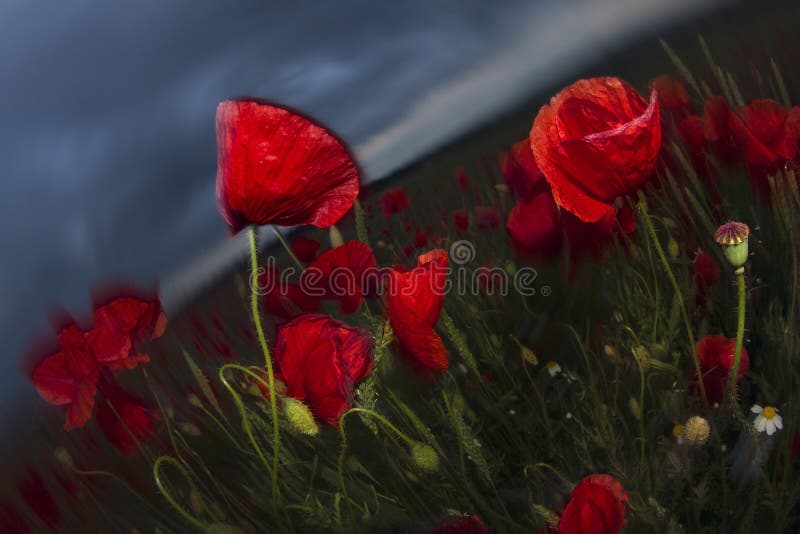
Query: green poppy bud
[300, 417]
[425, 457]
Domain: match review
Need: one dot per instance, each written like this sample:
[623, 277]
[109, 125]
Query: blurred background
[107, 131]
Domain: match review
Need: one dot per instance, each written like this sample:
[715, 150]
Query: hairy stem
[737, 355]
[268, 359]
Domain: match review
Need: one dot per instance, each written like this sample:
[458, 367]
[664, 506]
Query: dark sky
[107, 113]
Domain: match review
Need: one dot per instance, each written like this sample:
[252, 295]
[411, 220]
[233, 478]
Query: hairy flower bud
[673, 249]
[529, 356]
[64, 457]
[300, 417]
[425, 457]
[336, 237]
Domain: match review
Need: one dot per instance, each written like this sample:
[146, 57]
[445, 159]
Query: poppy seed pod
[732, 237]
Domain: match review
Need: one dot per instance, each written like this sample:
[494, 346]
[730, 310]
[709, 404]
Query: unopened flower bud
[636, 410]
[609, 352]
[511, 268]
[64, 457]
[733, 237]
[696, 431]
[642, 355]
[528, 356]
[425, 457]
[335, 237]
[194, 400]
[189, 429]
[673, 249]
[196, 502]
[300, 417]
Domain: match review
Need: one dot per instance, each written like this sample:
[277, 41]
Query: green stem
[665, 263]
[737, 355]
[182, 511]
[388, 424]
[287, 248]
[243, 412]
[265, 349]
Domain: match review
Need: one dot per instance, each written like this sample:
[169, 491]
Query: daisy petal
[760, 423]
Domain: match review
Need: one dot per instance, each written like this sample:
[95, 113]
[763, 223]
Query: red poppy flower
[597, 139]
[305, 248]
[461, 219]
[282, 298]
[320, 360]
[716, 353]
[520, 171]
[535, 228]
[69, 377]
[470, 524]
[706, 269]
[338, 274]
[420, 239]
[415, 298]
[11, 520]
[716, 119]
[131, 424]
[394, 201]
[532, 226]
[462, 178]
[766, 131]
[691, 130]
[34, 492]
[121, 325]
[671, 92]
[275, 166]
[487, 217]
[596, 506]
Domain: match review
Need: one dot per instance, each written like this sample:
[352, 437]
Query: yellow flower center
[677, 430]
[768, 412]
[551, 365]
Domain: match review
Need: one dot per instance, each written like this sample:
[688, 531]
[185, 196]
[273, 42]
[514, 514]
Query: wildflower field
[581, 319]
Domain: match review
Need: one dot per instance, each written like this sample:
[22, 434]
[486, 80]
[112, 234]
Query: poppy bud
[673, 249]
[189, 429]
[636, 410]
[300, 417]
[529, 356]
[196, 502]
[194, 400]
[336, 237]
[64, 457]
[511, 268]
[642, 355]
[733, 237]
[696, 431]
[425, 457]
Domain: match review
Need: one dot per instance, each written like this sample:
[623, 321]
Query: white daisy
[553, 368]
[677, 433]
[767, 419]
